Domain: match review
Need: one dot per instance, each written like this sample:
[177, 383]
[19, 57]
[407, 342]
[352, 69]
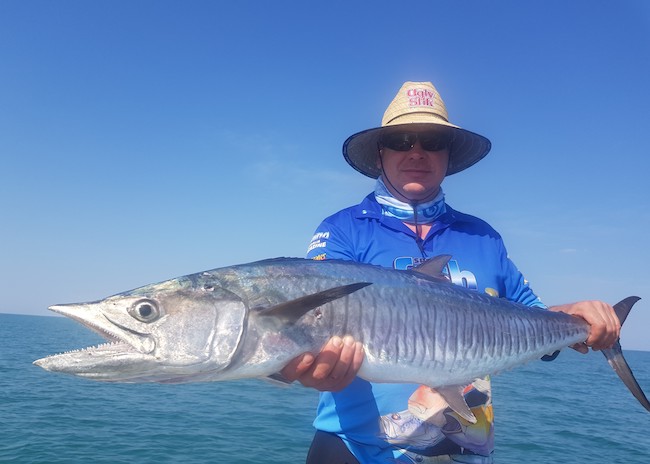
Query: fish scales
[476, 335]
[250, 320]
[424, 348]
[393, 343]
[441, 339]
[517, 336]
[504, 336]
[409, 345]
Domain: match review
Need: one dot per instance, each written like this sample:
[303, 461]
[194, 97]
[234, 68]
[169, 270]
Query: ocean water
[572, 410]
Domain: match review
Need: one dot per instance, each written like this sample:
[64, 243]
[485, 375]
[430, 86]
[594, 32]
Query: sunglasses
[405, 141]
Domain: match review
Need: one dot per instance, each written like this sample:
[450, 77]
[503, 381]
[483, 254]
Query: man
[403, 223]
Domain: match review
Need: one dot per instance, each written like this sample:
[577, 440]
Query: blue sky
[143, 140]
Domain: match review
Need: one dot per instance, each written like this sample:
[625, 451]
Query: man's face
[413, 173]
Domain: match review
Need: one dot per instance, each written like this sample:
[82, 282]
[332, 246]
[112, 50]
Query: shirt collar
[369, 208]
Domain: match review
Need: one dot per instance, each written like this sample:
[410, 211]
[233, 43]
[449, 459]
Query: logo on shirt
[319, 240]
[452, 270]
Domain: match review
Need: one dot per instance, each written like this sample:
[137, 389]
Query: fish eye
[145, 311]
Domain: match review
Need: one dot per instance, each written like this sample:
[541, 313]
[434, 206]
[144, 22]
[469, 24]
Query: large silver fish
[250, 320]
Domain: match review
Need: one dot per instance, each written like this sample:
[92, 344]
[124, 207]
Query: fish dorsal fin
[433, 267]
[290, 311]
[453, 395]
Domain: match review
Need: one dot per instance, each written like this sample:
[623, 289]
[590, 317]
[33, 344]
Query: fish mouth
[102, 362]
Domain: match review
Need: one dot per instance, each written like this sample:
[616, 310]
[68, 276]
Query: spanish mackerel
[250, 320]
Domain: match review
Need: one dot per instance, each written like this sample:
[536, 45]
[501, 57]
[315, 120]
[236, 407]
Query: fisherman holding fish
[403, 223]
[428, 291]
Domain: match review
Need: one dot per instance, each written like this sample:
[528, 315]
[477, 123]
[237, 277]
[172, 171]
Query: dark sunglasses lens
[404, 141]
[434, 141]
[399, 141]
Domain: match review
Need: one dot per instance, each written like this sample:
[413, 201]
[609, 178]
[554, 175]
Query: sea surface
[571, 410]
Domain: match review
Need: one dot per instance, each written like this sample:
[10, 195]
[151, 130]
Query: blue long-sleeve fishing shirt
[402, 421]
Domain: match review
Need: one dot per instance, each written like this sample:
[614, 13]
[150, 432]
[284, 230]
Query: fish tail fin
[615, 357]
[623, 308]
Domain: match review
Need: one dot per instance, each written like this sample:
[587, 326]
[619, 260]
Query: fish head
[173, 332]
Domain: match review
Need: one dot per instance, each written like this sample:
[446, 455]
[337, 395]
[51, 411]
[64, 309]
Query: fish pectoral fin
[277, 379]
[290, 311]
[453, 395]
[551, 356]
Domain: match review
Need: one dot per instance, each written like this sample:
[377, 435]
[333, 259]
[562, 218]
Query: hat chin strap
[413, 203]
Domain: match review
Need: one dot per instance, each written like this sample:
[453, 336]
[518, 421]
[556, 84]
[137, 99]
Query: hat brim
[361, 150]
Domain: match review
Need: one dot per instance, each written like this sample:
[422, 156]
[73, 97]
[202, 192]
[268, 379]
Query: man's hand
[332, 369]
[605, 328]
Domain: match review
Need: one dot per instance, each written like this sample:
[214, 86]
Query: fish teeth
[93, 348]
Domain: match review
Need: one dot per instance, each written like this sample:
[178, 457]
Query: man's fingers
[298, 366]
[332, 369]
[597, 330]
[359, 355]
[347, 365]
[344, 361]
[318, 375]
[604, 326]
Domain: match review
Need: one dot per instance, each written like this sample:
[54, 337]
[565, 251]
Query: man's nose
[416, 152]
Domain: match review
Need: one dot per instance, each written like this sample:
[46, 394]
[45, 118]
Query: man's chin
[416, 192]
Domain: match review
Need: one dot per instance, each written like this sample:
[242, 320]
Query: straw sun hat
[417, 106]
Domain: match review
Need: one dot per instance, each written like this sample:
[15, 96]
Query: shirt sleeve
[329, 242]
[517, 287]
